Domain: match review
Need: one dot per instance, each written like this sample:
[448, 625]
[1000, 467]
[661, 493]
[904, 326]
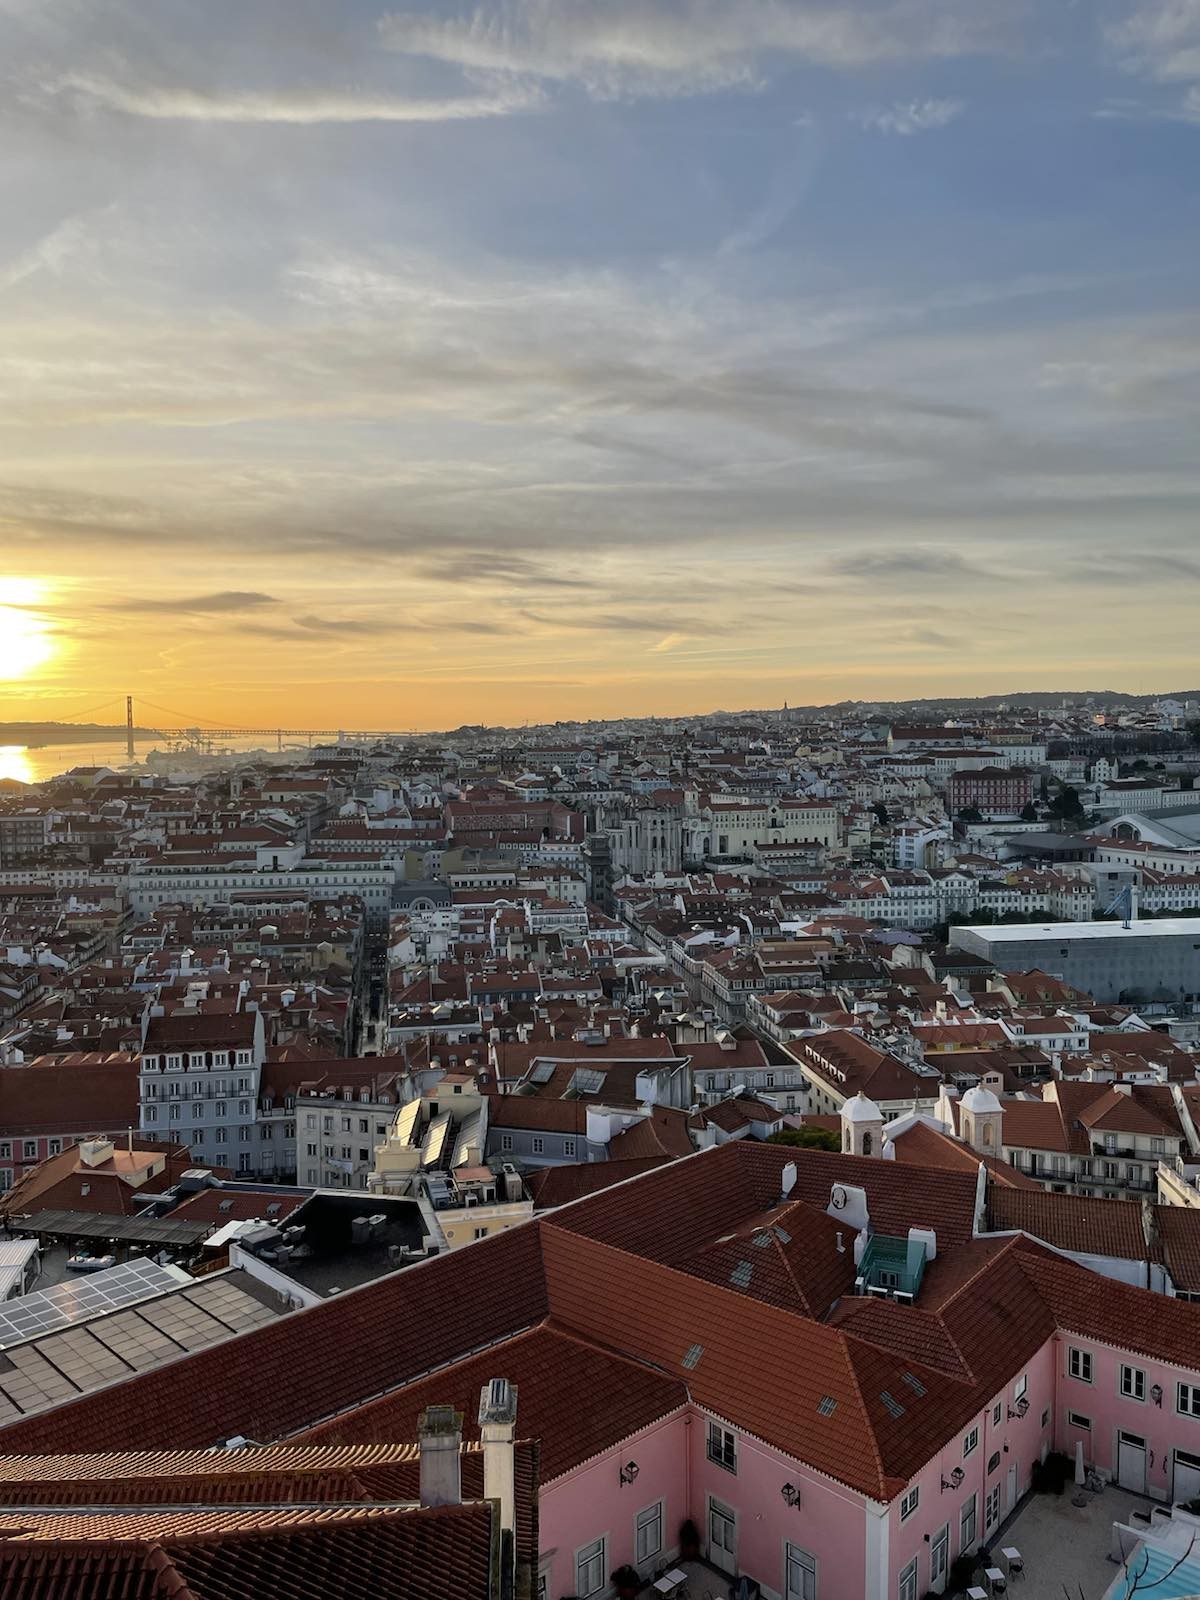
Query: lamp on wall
[791, 1494]
[954, 1480]
[1020, 1409]
[1156, 1393]
[629, 1472]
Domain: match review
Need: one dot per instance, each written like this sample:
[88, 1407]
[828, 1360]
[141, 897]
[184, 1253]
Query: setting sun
[25, 639]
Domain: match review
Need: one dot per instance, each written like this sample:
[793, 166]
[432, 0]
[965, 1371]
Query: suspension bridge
[202, 733]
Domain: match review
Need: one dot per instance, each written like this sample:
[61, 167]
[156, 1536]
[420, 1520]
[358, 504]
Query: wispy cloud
[913, 116]
[162, 102]
[222, 603]
[626, 48]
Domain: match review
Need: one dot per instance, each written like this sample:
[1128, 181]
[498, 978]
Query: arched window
[866, 1144]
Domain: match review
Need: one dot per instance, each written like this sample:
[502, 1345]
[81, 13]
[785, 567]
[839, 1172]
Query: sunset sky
[580, 357]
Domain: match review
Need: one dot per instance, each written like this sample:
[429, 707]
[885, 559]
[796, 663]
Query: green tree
[806, 1138]
[970, 814]
[1066, 803]
[1029, 812]
[881, 814]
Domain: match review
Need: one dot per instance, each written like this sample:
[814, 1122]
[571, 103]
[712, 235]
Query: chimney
[497, 1429]
[789, 1178]
[439, 1433]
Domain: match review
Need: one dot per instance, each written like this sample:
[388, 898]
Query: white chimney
[439, 1433]
[497, 1430]
[789, 1178]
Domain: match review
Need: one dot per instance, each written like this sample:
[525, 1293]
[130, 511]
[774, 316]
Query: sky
[576, 358]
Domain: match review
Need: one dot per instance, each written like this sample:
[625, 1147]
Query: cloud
[669, 642]
[161, 102]
[625, 48]
[913, 116]
[1158, 41]
[218, 604]
[906, 564]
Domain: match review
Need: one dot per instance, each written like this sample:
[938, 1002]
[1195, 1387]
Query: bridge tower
[129, 750]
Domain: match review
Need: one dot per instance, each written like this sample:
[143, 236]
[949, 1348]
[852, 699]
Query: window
[993, 1461]
[538, 1146]
[1021, 1387]
[966, 1526]
[996, 1410]
[480, 1233]
[991, 1510]
[1079, 1364]
[5, 1152]
[800, 1576]
[722, 1446]
[1133, 1383]
[1187, 1399]
[222, 1135]
[30, 1149]
[908, 1581]
[149, 1113]
[909, 1502]
[647, 1533]
[311, 1150]
[55, 1146]
[970, 1443]
[1158, 1147]
[506, 1141]
[568, 1147]
[590, 1574]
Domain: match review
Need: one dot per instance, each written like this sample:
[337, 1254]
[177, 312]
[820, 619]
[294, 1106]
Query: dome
[979, 1101]
[860, 1109]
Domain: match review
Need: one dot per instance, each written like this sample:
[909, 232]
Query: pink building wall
[828, 1522]
[1161, 1426]
[1018, 1441]
[861, 1548]
[580, 1506]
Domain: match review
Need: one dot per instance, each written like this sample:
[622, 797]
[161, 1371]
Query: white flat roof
[1019, 932]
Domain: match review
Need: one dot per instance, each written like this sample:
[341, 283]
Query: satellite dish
[837, 1197]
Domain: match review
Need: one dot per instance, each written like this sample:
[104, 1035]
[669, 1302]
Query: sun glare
[26, 642]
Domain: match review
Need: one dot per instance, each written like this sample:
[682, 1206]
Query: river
[36, 763]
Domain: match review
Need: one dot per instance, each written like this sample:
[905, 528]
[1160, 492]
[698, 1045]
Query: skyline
[436, 366]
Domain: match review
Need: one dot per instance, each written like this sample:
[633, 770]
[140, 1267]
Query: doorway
[1131, 1462]
[722, 1537]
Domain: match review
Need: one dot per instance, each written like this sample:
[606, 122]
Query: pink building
[812, 1356]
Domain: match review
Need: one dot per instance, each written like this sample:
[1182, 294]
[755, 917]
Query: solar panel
[46, 1310]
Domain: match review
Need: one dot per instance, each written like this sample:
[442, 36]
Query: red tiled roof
[1072, 1222]
[319, 1361]
[558, 1186]
[557, 1374]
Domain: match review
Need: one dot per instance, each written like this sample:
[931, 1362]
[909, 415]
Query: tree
[1066, 803]
[1029, 812]
[970, 814]
[881, 814]
[806, 1138]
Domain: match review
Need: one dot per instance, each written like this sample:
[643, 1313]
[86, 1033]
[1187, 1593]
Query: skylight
[826, 1405]
[914, 1383]
[692, 1356]
[893, 1405]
